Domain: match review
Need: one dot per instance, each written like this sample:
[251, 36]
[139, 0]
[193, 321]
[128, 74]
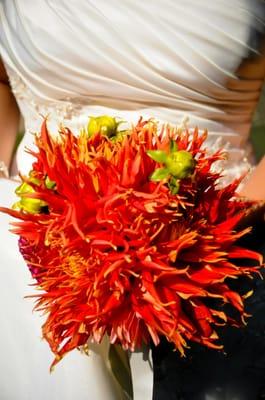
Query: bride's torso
[163, 59]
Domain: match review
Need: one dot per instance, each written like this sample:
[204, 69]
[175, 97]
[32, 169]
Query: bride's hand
[254, 189]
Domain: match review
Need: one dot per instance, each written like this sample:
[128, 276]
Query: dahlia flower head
[131, 235]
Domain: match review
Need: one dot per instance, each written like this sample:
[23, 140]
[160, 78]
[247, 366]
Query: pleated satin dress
[167, 59]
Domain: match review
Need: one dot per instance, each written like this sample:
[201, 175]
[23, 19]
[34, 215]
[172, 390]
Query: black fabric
[206, 374]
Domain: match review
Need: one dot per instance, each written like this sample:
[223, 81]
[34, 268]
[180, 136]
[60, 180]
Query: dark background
[258, 129]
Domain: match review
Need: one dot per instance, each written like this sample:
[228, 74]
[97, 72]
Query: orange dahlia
[131, 236]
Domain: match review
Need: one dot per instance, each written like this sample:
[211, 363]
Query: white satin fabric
[72, 59]
[161, 58]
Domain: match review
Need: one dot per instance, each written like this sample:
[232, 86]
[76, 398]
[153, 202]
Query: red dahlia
[115, 252]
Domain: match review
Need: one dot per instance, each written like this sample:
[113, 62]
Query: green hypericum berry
[49, 183]
[32, 206]
[180, 164]
[105, 125]
[24, 188]
[28, 204]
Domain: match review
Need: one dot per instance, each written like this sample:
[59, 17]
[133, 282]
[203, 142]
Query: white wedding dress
[73, 59]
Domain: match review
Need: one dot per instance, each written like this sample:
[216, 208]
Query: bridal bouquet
[129, 234]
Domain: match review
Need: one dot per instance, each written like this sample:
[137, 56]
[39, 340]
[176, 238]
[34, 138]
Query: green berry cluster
[25, 190]
[178, 164]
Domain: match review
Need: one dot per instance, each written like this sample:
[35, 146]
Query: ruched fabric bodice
[163, 59]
